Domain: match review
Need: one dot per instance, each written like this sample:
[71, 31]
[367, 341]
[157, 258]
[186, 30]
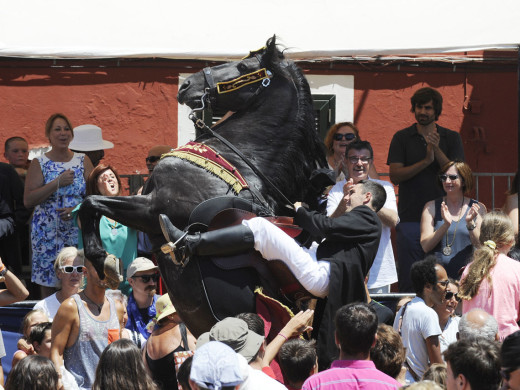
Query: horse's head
[232, 86]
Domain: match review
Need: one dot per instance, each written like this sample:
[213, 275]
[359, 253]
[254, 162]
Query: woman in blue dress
[54, 185]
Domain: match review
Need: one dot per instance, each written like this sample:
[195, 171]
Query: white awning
[225, 29]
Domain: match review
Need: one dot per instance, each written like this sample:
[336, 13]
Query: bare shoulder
[67, 310]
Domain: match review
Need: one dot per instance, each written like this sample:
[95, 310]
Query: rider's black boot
[221, 242]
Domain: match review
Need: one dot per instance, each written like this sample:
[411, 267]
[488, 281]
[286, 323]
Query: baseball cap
[138, 265]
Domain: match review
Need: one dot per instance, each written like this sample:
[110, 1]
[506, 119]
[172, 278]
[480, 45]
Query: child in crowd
[298, 361]
[16, 151]
[40, 339]
[31, 319]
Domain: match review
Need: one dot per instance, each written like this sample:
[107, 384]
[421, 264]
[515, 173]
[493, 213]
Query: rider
[341, 260]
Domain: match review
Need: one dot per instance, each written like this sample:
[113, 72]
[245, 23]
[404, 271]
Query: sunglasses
[147, 278]
[348, 136]
[445, 177]
[355, 159]
[451, 294]
[68, 269]
[152, 159]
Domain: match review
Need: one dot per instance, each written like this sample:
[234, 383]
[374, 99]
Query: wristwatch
[471, 226]
[3, 271]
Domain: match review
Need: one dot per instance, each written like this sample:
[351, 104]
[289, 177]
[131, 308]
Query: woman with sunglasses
[117, 239]
[336, 141]
[69, 271]
[492, 280]
[448, 320]
[450, 226]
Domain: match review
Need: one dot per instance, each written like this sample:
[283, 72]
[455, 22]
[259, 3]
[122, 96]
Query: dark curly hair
[423, 273]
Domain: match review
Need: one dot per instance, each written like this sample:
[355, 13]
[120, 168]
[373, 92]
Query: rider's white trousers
[274, 244]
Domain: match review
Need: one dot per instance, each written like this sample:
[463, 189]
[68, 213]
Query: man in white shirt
[417, 322]
[359, 159]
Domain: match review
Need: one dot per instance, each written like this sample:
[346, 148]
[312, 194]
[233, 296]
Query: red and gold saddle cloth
[206, 158]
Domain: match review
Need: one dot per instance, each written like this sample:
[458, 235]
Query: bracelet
[472, 226]
[280, 334]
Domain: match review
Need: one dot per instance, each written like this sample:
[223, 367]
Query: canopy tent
[228, 29]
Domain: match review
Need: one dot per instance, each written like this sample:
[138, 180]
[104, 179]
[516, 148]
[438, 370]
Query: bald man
[154, 155]
[478, 323]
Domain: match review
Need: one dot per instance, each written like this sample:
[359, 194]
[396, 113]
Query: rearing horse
[272, 126]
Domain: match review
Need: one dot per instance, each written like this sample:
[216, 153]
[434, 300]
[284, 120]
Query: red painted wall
[135, 105]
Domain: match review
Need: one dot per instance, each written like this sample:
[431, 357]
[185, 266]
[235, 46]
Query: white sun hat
[88, 138]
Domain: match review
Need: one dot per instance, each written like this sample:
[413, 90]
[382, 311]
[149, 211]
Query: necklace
[113, 227]
[446, 251]
[99, 307]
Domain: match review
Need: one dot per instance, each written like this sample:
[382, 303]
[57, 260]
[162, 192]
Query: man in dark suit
[334, 269]
[13, 214]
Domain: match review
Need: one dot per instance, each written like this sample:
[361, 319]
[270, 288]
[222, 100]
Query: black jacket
[350, 245]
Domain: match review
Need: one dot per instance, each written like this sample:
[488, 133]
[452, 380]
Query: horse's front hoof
[113, 272]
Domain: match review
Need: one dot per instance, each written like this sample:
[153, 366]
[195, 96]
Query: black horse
[272, 126]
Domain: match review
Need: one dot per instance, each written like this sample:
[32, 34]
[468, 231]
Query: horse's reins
[199, 123]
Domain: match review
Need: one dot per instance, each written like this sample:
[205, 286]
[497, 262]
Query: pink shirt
[502, 300]
[351, 374]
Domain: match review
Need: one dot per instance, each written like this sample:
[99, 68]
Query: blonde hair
[498, 228]
[67, 253]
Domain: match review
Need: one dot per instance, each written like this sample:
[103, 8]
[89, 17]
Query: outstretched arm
[296, 326]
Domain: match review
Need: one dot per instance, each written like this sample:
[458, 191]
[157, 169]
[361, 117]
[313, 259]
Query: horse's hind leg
[132, 211]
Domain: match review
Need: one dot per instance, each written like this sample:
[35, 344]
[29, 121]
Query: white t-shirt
[419, 323]
[49, 306]
[256, 379]
[449, 334]
[383, 271]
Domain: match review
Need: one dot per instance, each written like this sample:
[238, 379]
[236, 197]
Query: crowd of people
[457, 330]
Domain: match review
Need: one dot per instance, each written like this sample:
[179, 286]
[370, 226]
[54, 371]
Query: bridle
[263, 77]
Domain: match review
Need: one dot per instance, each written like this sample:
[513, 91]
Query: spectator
[297, 325]
[450, 225]
[169, 335]
[15, 291]
[55, 184]
[510, 361]
[359, 160]
[69, 271]
[183, 375]
[448, 320]
[356, 327]
[83, 327]
[13, 218]
[121, 367]
[235, 333]
[298, 361]
[154, 155]
[34, 373]
[16, 151]
[473, 365]
[418, 323]
[477, 323]
[88, 139]
[388, 353]
[336, 141]
[117, 239]
[215, 366]
[142, 276]
[511, 206]
[25, 348]
[492, 280]
[40, 339]
[415, 157]
[436, 373]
